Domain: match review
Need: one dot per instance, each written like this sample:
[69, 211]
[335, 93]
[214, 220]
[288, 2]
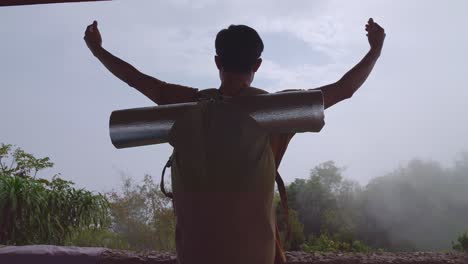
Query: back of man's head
[238, 48]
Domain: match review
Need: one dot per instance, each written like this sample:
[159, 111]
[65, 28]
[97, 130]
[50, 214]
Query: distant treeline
[420, 206]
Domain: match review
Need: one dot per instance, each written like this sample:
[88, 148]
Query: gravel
[298, 257]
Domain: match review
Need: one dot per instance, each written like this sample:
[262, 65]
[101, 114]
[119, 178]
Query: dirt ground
[126, 257]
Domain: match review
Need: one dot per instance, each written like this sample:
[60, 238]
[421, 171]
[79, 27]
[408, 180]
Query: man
[238, 57]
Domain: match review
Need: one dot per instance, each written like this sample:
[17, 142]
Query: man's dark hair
[238, 47]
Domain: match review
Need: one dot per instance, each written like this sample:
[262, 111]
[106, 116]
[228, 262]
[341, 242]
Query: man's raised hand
[92, 37]
[375, 35]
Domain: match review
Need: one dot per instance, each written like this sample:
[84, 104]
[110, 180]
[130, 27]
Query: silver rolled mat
[285, 112]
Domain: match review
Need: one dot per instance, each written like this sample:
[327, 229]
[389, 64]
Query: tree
[314, 199]
[296, 238]
[143, 216]
[38, 211]
[462, 243]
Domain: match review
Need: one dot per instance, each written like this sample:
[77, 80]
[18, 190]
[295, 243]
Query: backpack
[223, 173]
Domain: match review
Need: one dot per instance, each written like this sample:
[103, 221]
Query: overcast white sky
[56, 98]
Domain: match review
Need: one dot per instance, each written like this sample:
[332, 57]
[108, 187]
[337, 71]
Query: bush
[462, 243]
[296, 238]
[322, 244]
[143, 216]
[38, 211]
[98, 238]
[326, 243]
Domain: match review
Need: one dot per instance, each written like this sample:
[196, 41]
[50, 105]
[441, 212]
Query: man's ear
[218, 62]
[257, 65]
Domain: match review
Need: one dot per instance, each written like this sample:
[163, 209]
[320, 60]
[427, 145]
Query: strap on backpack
[161, 184]
[284, 203]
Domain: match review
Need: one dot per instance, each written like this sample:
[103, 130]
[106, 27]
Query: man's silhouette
[238, 57]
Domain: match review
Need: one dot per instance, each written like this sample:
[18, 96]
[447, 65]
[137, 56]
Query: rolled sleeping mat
[285, 112]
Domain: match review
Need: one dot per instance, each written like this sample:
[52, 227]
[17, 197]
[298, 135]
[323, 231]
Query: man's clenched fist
[92, 37]
[375, 35]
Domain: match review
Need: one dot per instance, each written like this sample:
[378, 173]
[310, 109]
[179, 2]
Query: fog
[56, 98]
[422, 205]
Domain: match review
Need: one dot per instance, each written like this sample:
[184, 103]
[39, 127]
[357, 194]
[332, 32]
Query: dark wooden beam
[37, 2]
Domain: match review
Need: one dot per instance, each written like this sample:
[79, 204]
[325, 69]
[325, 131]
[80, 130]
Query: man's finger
[374, 27]
[371, 20]
[379, 27]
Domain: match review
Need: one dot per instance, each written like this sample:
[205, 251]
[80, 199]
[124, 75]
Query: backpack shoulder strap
[161, 184]
[284, 203]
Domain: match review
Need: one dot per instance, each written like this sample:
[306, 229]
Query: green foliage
[143, 216]
[326, 243]
[98, 238]
[462, 243]
[323, 243]
[325, 203]
[392, 212]
[38, 211]
[297, 228]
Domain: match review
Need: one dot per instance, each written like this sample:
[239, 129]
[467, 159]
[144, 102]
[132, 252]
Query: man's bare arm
[353, 79]
[156, 90]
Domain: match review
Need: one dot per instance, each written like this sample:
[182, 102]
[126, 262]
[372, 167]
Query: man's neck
[233, 83]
